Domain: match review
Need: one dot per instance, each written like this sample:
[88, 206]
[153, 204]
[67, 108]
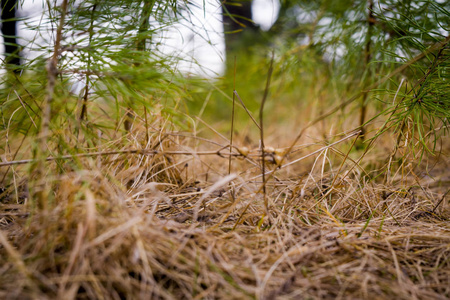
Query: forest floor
[178, 222]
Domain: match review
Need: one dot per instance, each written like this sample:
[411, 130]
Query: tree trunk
[240, 30]
[12, 57]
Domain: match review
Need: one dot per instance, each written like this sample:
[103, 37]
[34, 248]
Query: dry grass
[160, 226]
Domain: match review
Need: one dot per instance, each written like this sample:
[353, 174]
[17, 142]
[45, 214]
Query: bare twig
[132, 151]
[440, 201]
[261, 130]
[41, 190]
[246, 109]
[232, 118]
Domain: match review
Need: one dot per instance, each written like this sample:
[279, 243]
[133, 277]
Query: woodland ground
[172, 221]
[129, 189]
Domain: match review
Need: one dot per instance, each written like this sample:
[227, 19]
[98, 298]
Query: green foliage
[325, 52]
[329, 50]
[100, 52]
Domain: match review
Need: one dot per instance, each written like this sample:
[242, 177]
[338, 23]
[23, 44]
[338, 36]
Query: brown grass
[160, 226]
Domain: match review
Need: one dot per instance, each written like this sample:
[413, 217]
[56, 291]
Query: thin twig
[248, 112]
[261, 130]
[440, 201]
[41, 192]
[26, 110]
[132, 151]
[232, 118]
[345, 159]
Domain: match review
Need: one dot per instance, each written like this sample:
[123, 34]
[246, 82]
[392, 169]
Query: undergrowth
[165, 220]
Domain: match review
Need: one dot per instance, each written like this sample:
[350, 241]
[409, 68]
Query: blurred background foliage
[327, 51]
[112, 69]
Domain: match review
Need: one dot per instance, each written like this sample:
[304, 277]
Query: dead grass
[160, 226]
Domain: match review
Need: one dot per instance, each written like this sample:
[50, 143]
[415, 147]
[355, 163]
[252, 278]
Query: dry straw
[166, 226]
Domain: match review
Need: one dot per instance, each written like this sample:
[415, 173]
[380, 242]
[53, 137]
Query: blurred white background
[199, 40]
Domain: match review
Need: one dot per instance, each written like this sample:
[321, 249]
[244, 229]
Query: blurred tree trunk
[367, 58]
[12, 57]
[240, 30]
[242, 34]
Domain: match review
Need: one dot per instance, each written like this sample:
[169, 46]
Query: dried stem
[261, 130]
[41, 189]
[232, 117]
